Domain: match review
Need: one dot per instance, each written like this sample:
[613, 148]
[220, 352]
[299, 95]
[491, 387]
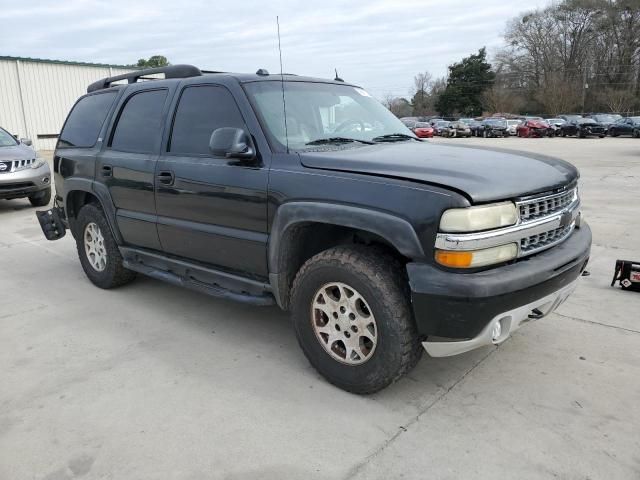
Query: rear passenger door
[127, 164]
[210, 209]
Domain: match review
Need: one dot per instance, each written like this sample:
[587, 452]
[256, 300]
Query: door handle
[107, 170]
[166, 177]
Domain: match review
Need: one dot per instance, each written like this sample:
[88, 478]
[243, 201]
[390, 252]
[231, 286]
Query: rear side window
[201, 110]
[85, 121]
[140, 122]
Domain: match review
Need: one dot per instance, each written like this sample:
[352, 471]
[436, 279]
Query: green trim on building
[65, 62]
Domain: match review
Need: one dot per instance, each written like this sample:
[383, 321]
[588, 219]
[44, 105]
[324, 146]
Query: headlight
[477, 258]
[474, 219]
[37, 162]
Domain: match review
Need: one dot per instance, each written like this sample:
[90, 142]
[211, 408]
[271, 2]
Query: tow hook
[51, 223]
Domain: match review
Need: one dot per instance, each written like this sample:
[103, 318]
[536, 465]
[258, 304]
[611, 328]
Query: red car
[423, 130]
[534, 128]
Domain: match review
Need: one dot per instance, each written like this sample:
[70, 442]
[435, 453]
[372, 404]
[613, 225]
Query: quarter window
[139, 125]
[85, 121]
[201, 110]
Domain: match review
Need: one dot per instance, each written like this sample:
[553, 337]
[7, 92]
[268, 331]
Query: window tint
[201, 110]
[140, 122]
[85, 121]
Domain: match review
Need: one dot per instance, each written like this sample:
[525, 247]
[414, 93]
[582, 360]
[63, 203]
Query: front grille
[14, 186]
[545, 239]
[15, 165]
[544, 206]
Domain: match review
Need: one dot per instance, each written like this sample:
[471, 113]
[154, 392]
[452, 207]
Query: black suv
[378, 243]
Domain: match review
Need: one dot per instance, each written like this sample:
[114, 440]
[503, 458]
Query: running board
[205, 280]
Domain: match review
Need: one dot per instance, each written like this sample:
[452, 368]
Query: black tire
[614, 133]
[41, 198]
[114, 274]
[601, 136]
[564, 134]
[484, 134]
[381, 281]
[636, 133]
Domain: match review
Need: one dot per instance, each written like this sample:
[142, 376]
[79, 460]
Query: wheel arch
[302, 229]
[79, 192]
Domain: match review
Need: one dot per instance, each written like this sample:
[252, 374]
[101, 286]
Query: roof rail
[170, 71]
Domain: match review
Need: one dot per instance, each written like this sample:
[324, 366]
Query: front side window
[321, 111]
[85, 121]
[6, 139]
[201, 110]
[139, 125]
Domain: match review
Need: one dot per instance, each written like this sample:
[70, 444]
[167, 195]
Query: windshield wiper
[394, 137]
[323, 141]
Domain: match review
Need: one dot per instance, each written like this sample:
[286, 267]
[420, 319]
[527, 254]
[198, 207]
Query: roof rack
[171, 71]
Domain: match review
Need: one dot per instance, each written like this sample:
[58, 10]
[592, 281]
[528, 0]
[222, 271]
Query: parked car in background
[493, 127]
[466, 120]
[569, 117]
[605, 119]
[473, 126]
[625, 126]
[512, 126]
[555, 124]
[422, 130]
[439, 126]
[534, 128]
[456, 129]
[22, 172]
[583, 127]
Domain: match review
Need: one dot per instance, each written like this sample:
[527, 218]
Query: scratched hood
[483, 174]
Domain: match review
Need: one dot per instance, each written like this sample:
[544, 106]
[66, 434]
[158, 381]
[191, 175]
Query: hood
[17, 152]
[482, 174]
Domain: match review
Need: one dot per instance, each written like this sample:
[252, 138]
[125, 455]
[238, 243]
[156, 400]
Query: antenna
[284, 103]
[338, 79]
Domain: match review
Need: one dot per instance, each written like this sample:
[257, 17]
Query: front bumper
[25, 182]
[462, 307]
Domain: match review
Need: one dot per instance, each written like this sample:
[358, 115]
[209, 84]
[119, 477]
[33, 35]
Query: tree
[558, 95]
[501, 99]
[466, 84]
[399, 106]
[153, 62]
[421, 101]
[617, 100]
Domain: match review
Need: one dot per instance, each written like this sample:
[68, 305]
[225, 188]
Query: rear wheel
[41, 198]
[636, 133]
[353, 318]
[98, 251]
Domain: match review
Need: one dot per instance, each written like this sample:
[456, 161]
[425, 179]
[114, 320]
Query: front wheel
[353, 319]
[41, 198]
[98, 251]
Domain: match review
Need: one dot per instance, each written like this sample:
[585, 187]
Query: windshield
[496, 123]
[423, 125]
[554, 120]
[322, 111]
[605, 118]
[513, 122]
[635, 119]
[6, 139]
[586, 120]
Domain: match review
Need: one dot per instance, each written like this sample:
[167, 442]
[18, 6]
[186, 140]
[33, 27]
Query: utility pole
[585, 86]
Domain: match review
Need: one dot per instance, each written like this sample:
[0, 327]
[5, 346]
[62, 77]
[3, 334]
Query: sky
[379, 45]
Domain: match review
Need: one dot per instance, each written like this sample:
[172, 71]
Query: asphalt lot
[155, 382]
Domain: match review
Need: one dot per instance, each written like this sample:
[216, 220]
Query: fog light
[497, 331]
[45, 180]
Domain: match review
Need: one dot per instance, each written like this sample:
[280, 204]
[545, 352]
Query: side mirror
[231, 143]
[26, 141]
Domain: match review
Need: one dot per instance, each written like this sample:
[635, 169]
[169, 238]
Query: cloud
[378, 44]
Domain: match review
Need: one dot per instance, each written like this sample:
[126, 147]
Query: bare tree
[617, 100]
[558, 95]
[502, 99]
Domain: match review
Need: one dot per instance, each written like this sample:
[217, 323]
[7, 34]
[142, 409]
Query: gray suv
[22, 172]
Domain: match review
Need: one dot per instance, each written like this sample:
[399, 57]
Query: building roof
[64, 62]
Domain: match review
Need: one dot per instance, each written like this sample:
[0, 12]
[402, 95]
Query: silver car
[22, 172]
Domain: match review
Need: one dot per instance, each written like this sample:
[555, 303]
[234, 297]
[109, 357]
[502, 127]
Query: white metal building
[36, 95]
